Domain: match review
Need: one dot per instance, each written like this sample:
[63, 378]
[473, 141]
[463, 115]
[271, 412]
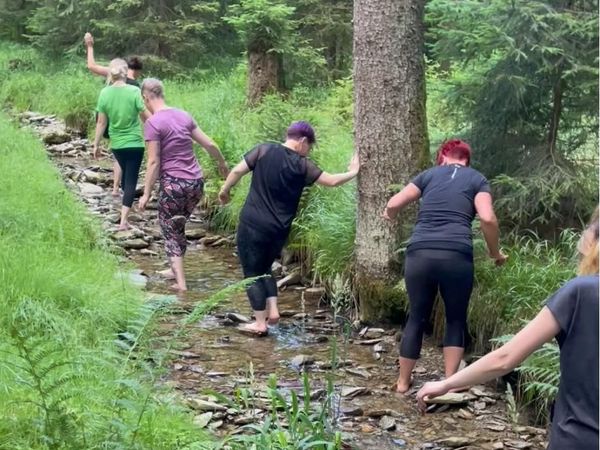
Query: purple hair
[301, 129]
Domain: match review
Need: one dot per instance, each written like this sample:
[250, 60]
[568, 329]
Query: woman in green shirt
[122, 106]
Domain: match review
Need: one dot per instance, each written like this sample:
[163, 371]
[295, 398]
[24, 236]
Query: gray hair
[117, 70]
[153, 87]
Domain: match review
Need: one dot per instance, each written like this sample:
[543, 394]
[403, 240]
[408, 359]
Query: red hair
[454, 148]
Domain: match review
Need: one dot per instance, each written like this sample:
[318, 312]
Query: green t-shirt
[122, 105]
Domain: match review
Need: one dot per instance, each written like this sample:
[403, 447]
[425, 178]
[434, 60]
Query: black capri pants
[130, 160]
[257, 252]
[428, 271]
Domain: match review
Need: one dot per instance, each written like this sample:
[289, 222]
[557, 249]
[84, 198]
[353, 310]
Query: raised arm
[233, 178]
[489, 226]
[91, 62]
[337, 179]
[152, 169]
[211, 148]
[499, 362]
[410, 193]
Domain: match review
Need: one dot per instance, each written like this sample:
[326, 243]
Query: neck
[158, 104]
[118, 83]
[131, 74]
[293, 145]
[450, 161]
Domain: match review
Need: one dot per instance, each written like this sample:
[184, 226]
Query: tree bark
[557, 95]
[263, 75]
[390, 135]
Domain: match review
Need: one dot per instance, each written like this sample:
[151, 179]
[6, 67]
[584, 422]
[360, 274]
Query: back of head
[588, 247]
[301, 129]
[117, 70]
[135, 63]
[456, 149]
[153, 88]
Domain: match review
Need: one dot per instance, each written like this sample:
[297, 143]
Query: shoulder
[579, 289]
[583, 282]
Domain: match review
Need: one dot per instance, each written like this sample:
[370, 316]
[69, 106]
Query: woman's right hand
[88, 39]
[499, 259]
[143, 202]
[96, 151]
[430, 390]
[224, 196]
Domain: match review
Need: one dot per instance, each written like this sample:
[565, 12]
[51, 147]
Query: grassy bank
[66, 382]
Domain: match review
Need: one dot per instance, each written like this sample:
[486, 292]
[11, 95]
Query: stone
[55, 134]
[63, 149]
[380, 348]
[359, 372]
[300, 316]
[464, 414]
[352, 411]
[195, 233]
[302, 360]
[387, 423]
[205, 405]
[497, 446]
[208, 240]
[451, 398]
[454, 441]
[479, 406]
[353, 391]
[373, 333]
[316, 293]
[377, 413]
[276, 269]
[369, 341]
[289, 280]
[134, 244]
[94, 177]
[127, 235]
[237, 318]
[213, 426]
[517, 444]
[90, 190]
[202, 420]
[399, 442]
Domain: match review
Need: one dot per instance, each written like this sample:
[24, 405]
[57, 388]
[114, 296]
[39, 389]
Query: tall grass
[66, 380]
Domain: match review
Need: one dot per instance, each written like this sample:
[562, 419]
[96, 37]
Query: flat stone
[302, 360]
[127, 235]
[352, 411]
[89, 189]
[55, 134]
[387, 423]
[353, 391]
[455, 441]
[208, 240]
[205, 405]
[359, 372]
[380, 348]
[276, 269]
[94, 177]
[517, 444]
[237, 318]
[202, 420]
[370, 341]
[195, 233]
[464, 414]
[451, 398]
[373, 333]
[289, 280]
[134, 244]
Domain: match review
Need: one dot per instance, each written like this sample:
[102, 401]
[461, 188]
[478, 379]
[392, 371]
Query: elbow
[488, 219]
[502, 362]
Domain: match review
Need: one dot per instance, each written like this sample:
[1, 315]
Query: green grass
[64, 381]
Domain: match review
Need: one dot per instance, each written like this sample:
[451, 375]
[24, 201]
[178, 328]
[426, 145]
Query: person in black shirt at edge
[280, 172]
[134, 71]
[570, 316]
[440, 252]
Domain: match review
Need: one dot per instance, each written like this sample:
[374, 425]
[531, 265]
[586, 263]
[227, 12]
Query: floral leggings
[176, 201]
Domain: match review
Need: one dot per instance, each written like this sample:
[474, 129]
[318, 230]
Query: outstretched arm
[233, 178]
[410, 193]
[91, 62]
[211, 148]
[332, 180]
[152, 169]
[499, 362]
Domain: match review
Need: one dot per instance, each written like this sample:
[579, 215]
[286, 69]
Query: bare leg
[124, 225]
[117, 172]
[452, 357]
[405, 378]
[259, 326]
[177, 267]
[272, 311]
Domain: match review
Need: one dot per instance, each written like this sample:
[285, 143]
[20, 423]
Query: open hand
[430, 390]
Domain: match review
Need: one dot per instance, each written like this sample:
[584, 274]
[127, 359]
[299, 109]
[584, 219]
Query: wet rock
[90, 190]
[377, 413]
[300, 316]
[184, 354]
[133, 217]
[380, 348]
[289, 280]
[451, 398]
[276, 269]
[351, 392]
[202, 420]
[399, 442]
[237, 318]
[374, 333]
[517, 444]
[370, 341]
[302, 361]
[366, 428]
[213, 374]
[455, 441]
[314, 293]
[148, 252]
[94, 177]
[387, 423]
[219, 242]
[352, 411]
[205, 405]
[359, 372]
[134, 244]
[195, 233]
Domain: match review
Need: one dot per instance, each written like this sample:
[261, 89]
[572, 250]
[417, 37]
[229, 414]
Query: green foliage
[75, 337]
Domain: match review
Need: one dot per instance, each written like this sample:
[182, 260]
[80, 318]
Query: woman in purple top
[169, 135]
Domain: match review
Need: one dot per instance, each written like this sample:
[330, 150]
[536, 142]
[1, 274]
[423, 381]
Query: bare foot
[176, 287]
[254, 329]
[272, 312]
[402, 387]
[124, 227]
[115, 193]
[167, 274]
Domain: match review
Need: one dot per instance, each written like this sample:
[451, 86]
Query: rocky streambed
[224, 376]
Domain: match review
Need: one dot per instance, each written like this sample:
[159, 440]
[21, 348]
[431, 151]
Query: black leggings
[425, 272]
[130, 160]
[257, 252]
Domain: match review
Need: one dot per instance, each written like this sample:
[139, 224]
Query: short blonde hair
[117, 70]
[154, 87]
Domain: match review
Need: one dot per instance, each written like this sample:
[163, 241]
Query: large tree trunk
[263, 75]
[390, 135]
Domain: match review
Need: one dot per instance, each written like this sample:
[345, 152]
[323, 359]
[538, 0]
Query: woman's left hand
[223, 169]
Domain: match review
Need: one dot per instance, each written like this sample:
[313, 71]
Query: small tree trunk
[557, 95]
[390, 135]
[264, 70]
